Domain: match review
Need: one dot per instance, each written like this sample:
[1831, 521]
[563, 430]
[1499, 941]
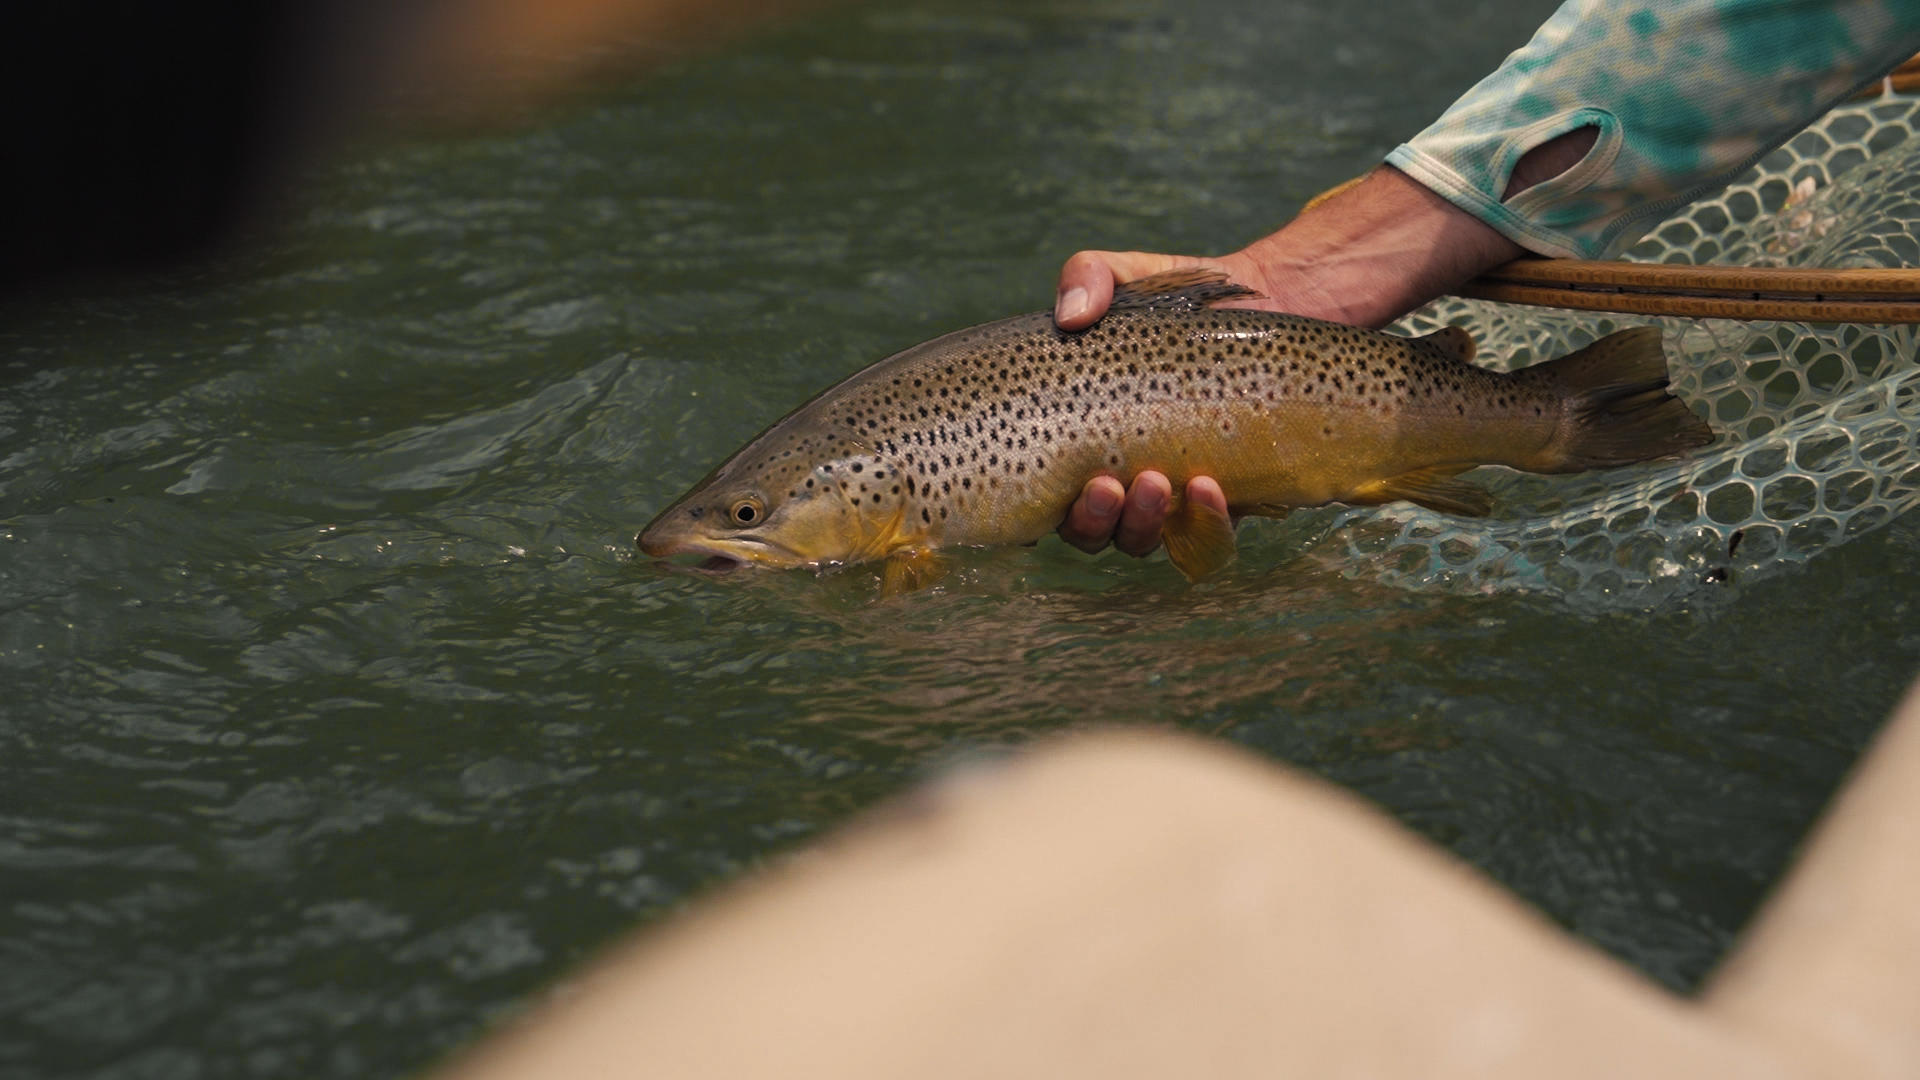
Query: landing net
[1817, 423]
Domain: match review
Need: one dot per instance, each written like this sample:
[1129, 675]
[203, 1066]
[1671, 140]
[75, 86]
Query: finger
[1090, 520]
[1088, 278]
[1205, 491]
[1148, 500]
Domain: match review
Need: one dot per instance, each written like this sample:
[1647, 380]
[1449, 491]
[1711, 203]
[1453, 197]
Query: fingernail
[1102, 501]
[1147, 498]
[1073, 304]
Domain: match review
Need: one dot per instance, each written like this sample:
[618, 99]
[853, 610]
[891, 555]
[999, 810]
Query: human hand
[1131, 517]
[1365, 256]
[1088, 279]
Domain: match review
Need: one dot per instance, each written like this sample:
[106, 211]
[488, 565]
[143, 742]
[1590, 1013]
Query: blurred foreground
[1119, 905]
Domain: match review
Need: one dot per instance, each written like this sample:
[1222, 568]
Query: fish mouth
[722, 554]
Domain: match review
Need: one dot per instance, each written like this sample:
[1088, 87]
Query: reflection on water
[1008, 648]
[340, 715]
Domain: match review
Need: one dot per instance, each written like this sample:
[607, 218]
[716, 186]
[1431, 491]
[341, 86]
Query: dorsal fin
[1455, 341]
[1188, 289]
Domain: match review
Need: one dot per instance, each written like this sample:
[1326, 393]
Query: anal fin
[1432, 487]
[911, 571]
[1199, 539]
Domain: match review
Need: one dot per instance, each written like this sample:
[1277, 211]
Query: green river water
[340, 715]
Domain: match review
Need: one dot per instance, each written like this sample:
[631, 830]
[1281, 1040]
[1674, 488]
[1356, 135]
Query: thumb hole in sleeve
[1551, 160]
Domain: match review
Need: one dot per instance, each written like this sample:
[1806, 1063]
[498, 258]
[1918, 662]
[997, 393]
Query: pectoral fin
[1433, 488]
[1199, 539]
[911, 571]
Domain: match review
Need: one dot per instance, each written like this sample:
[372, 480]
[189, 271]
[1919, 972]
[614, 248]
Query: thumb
[1088, 278]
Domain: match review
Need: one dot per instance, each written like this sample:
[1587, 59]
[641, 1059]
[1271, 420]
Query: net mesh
[1817, 422]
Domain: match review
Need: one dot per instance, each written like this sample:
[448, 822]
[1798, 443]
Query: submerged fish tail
[1615, 406]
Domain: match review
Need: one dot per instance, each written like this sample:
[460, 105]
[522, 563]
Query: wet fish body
[987, 435]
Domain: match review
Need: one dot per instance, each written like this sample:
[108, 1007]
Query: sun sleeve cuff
[1686, 94]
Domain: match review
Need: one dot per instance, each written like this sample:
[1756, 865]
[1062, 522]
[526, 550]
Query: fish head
[777, 514]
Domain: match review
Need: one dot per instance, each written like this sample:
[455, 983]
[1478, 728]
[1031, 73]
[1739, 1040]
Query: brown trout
[987, 435]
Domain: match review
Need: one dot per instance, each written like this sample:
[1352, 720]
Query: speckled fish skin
[987, 435]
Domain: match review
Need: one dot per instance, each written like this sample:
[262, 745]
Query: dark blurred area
[145, 137]
[140, 136]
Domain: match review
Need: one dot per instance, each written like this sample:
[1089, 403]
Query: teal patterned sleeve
[1686, 94]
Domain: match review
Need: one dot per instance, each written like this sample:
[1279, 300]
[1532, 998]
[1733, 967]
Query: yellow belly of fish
[1276, 459]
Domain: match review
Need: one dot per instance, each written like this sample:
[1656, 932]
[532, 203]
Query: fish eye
[746, 511]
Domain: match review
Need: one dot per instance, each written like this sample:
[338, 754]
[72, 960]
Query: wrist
[1373, 253]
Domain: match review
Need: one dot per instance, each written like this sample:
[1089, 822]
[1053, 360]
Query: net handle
[1680, 290]
[1900, 80]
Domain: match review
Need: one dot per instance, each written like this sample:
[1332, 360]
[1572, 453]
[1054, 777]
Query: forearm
[1682, 95]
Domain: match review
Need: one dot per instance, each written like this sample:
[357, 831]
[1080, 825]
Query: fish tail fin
[1615, 406]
